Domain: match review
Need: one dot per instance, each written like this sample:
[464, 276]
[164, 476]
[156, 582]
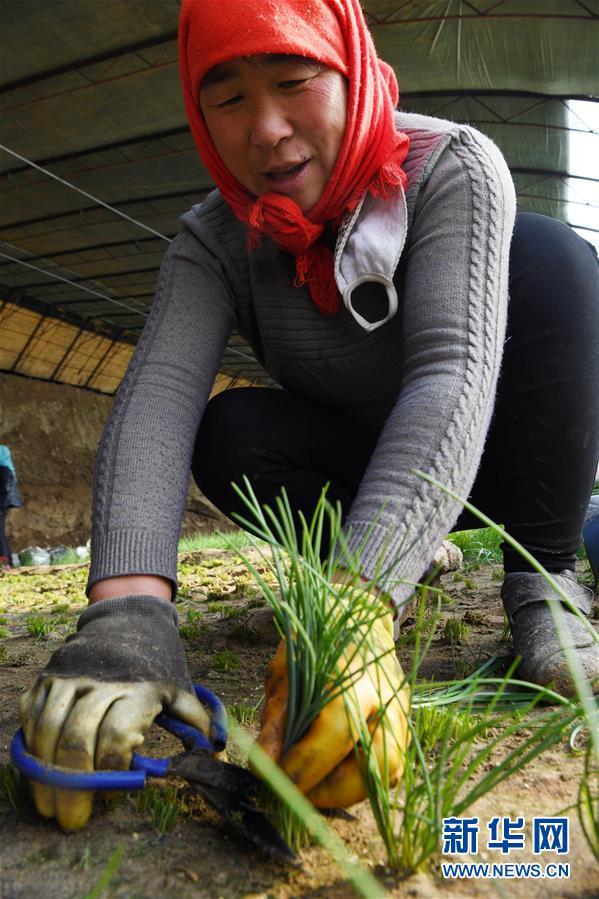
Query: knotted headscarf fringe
[282, 220]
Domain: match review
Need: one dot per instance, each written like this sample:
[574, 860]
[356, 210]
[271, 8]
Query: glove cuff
[128, 638]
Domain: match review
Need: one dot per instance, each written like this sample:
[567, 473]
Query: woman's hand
[323, 762]
[100, 692]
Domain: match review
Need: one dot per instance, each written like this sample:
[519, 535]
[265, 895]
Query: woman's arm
[143, 463]
[453, 293]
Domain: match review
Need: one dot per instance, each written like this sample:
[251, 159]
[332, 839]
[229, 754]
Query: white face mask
[368, 248]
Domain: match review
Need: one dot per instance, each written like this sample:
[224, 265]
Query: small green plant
[481, 546]
[64, 623]
[225, 660]
[461, 666]
[3, 631]
[455, 631]
[162, 805]
[217, 540]
[461, 578]
[588, 801]
[408, 636]
[431, 725]
[37, 626]
[234, 612]
[225, 610]
[244, 714]
[244, 587]
[215, 607]
[59, 607]
[193, 629]
[4, 657]
[11, 787]
[217, 596]
[193, 632]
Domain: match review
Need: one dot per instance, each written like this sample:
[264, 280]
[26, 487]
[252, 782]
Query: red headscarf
[334, 33]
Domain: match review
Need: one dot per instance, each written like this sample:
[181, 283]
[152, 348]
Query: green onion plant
[320, 621]
[588, 802]
[460, 733]
[467, 735]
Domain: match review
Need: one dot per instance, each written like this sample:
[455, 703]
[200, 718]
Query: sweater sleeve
[142, 467]
[454, 297]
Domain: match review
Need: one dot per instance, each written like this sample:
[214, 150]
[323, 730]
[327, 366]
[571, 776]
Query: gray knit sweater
[424, 379]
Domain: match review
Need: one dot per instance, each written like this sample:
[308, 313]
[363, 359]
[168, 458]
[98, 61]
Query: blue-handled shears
[142, 766]
[229, 789]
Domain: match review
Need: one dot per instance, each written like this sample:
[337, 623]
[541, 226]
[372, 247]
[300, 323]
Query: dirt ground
[228, 646]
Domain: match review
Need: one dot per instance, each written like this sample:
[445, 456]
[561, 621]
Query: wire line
[228, 349]
[96, 293]
[84, 193]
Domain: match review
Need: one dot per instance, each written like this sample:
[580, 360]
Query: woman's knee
[244, 431]
[220, 439]
[553, 279]
[547, 248]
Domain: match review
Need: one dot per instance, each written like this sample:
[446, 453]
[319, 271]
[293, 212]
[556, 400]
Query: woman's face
[277, 123]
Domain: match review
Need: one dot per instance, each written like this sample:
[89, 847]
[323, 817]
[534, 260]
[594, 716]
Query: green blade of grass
[108, 873]
[363, 881]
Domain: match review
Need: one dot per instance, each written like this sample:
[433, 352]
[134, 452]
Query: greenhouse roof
[97, 163]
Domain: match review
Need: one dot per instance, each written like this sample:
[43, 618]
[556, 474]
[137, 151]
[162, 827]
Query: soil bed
[229, 641]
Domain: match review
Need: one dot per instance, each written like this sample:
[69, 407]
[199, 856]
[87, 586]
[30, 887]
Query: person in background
[367, 255]
[10, 498]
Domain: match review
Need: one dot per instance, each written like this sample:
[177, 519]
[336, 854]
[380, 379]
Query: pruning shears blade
[200, 767]
[231, 791]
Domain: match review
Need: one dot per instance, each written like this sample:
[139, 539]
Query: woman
[365, 255]
[10, 498]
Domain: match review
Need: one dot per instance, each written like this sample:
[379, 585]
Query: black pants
[541, 453]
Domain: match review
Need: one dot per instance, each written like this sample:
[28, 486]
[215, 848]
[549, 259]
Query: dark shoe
[526, 597]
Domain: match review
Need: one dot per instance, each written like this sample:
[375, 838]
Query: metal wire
[84, 193]
[74, 284]
[229, 349]
[43, 271]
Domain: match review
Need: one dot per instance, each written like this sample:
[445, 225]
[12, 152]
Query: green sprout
[455, 631]
[162, 805]
[225, 660]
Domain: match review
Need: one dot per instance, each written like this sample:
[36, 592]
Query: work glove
[100, 692]
[323, 763]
